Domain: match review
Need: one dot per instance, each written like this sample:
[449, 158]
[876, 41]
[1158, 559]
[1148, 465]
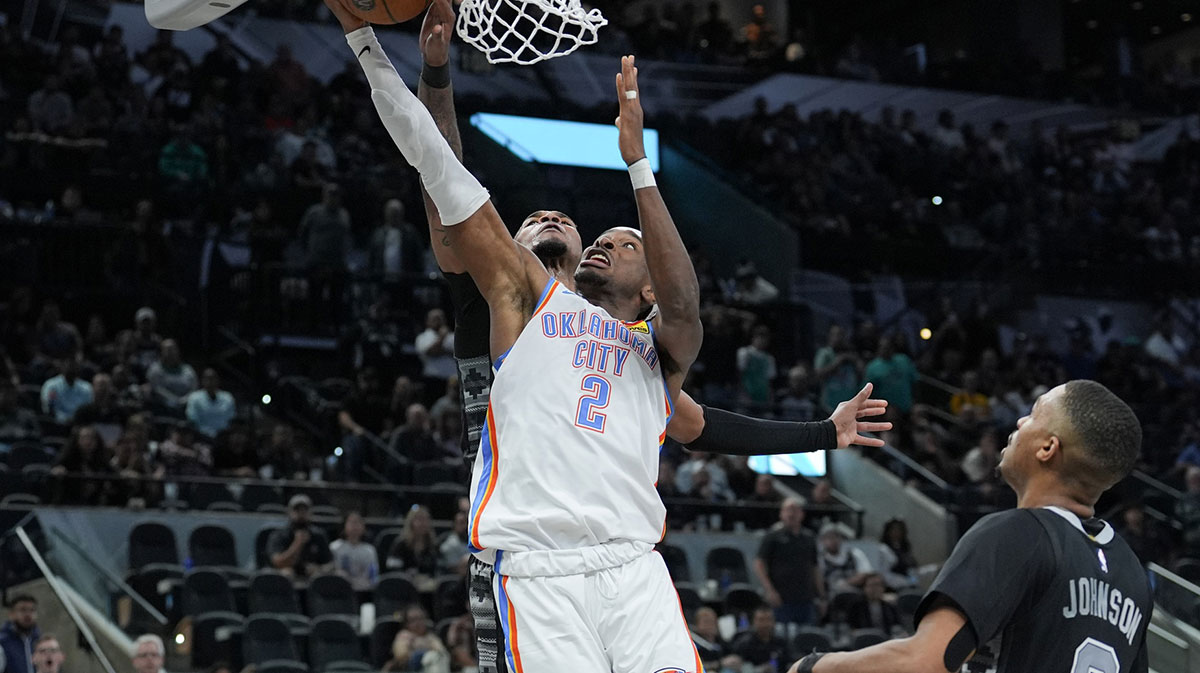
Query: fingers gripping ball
[387, 11]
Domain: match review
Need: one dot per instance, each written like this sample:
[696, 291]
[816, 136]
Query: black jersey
[1044, 591]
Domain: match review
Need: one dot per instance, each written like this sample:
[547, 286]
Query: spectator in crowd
[449, 401]
[756, 366]
[760, 647]
[894, 376]
[284, 456]
[64, 394]
[19, 633]
[325, 231]
[233, 451]
[895, 537]
[453, 546]
[16, 422]
[750, 288]
[414, 440]
[837, 369]
[364, 417]
[300, 550]
[714, 35]
[417, 648]
[171, 379]
[47, 655]
[946, 134]
[979, 464]
[84, 453]
[761, 38]
[183, 165]
[147, 342]
[764, 490]
[1187, 510]
[714, 652]
[395, 245]
[873, 612]
[182, 456]
[1145, 538]
[1166, 345]
[786, 566]
[148, 653]
[796, 401]
[971, 397]
[54, 338]
[414, 550]
[50, 108]
[460, 640]
[842, 567]
[104, 413]
[210, 409]
[356, 560]
[702, 476]
[435, 347]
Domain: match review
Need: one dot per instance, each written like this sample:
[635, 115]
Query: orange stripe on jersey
[512, 627]
[546, 300]
[492, 477]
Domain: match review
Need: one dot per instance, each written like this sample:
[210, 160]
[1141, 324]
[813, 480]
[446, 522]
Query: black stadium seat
[810, 639]
[384, 541]
[331, 595]
[148, 580]
[689, 598]
[25, 453]
[382, 637]
[741, 599]
[860, 638]
[450, 597]
[207, 647]
[268, 638]
[726, 560]
[677, 562]
[334, 645]
[152, 542]
[273, 592]
[206, 590]
[393, 593]
[212, 545]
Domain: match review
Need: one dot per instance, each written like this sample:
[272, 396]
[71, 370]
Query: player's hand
[435, 33]
[631, 119]
[846, 419]
[349, 21]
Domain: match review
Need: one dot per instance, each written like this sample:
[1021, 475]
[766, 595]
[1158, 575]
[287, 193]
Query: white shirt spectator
[436, 366]
[60, 399]
[210, 413]
[358, 562]
[948, 137]
[1164, 349]
[173, 385]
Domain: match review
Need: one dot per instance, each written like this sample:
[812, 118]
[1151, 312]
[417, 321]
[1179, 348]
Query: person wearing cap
[300, 549]
[842, 566]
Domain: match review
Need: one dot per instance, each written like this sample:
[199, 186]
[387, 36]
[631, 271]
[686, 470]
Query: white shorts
[622, 619]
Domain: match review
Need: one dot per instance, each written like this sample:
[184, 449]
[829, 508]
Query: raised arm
[508, 276]
[676, 291]
[436, 92]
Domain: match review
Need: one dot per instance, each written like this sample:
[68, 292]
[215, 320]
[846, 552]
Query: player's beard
[589, 282]
[549, 250]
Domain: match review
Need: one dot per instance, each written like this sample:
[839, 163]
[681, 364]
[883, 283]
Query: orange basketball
[387, 11]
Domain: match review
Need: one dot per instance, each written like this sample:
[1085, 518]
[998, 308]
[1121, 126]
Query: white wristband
[641, 175]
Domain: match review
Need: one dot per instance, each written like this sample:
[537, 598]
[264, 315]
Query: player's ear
[648, 295]
[1052, 448]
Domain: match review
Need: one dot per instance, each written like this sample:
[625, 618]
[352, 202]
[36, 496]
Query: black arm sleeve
[472, 327]
[737, 435]
[1000, 565]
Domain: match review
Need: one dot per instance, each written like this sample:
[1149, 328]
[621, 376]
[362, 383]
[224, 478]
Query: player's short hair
[1108, 429]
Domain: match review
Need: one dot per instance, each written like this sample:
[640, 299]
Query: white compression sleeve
[455, 192]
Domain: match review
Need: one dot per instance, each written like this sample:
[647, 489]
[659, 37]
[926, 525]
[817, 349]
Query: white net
[527, 31]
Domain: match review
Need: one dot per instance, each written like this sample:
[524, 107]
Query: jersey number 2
[596, 391]
[1093, 656]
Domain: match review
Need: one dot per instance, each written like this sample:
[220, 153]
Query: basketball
[387, 11]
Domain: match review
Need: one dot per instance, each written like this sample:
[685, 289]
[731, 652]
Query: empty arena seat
[393, 593]
[254, 495]
[840, 605]
[860, 638]
[382, 637]
[689, 598]
[906, 604]
[268, 638]
[741, 599]
[271, 508]
[333, 644]
[722, 560]
[450, 597]
[152, 542]
[201, 495]
[430, 473]
[1188, 569]
[224, 506]
[810, 639]
[331, 595]
[207, 590]
[677, 562]
[25, 453]
[273, 592]
[207, 646]
[212, 545]
[384, 541]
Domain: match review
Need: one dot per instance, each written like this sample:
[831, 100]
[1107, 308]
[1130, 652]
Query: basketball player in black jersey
[554, 240]
[1045, 587]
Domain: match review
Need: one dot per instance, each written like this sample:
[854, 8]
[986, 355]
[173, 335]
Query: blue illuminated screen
[554, 141]
[790, 464]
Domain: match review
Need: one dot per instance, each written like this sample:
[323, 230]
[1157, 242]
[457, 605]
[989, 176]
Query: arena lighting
[554, 141]
[937, 200]
[179, 639]
[266, 399]
[926, 334]
[791, 464]
[337, 451]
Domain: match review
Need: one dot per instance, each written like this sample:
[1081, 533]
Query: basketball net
[527, 31]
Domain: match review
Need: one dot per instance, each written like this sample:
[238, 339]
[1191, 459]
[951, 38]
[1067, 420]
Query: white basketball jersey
[569, 453]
